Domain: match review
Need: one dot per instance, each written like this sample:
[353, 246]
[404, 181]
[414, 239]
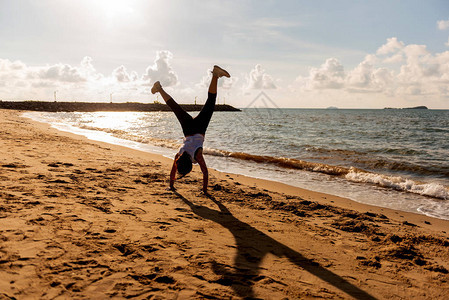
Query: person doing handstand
[194, 130]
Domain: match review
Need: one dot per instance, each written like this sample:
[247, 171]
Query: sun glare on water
[113, 120]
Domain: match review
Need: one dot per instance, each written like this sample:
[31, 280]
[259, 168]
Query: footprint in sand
[125, 249]
[151, 248]
[14, 165]
[52, 251]
[133, 211]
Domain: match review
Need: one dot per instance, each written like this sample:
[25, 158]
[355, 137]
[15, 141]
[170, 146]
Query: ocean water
[389, 158]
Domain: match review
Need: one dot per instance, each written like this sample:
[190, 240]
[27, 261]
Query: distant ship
[332, 107]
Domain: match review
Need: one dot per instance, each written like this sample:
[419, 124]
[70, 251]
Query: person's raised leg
[157, 88]
[213, 84]
[205, 115]
[183, 117]
[217, 72]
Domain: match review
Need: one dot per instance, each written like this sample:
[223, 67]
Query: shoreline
[279, 187]
[362, 186]
[82, 218]
[276, 186]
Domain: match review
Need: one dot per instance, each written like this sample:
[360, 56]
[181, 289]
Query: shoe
[219, 72]
[156, 87]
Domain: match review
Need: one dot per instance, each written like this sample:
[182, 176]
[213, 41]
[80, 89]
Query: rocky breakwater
[101, 106]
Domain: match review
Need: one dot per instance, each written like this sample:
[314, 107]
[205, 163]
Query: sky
[292, 53]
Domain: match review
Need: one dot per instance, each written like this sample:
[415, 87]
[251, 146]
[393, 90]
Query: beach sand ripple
[84, 219]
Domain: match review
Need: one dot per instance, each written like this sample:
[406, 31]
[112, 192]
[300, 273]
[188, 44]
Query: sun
[113, 9]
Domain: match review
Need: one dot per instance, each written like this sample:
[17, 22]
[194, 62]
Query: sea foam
[401, 184]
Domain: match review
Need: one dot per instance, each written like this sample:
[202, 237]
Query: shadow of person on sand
[252, 246]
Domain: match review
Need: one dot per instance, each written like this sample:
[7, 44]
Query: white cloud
[392, 46]
[88, 70]
[330, 75]
[60, 72]
[81, 82]
[258, 79]
[394, 59]
[11, 70]
[17, 65]
[443, 24]
[419, 73]
[64, 73]
[121, 75]
[161, 70]
[361, 76]
[447, 43]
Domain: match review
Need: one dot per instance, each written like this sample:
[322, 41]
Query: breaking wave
[370, 160]
[400, 184]
[282, 162]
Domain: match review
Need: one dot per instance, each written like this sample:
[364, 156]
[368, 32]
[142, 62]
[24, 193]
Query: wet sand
[85, 219]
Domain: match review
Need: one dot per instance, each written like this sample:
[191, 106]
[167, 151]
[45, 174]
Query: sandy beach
[81, 219]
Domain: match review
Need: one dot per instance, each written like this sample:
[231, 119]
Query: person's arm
[200, 159]
[174, 168]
